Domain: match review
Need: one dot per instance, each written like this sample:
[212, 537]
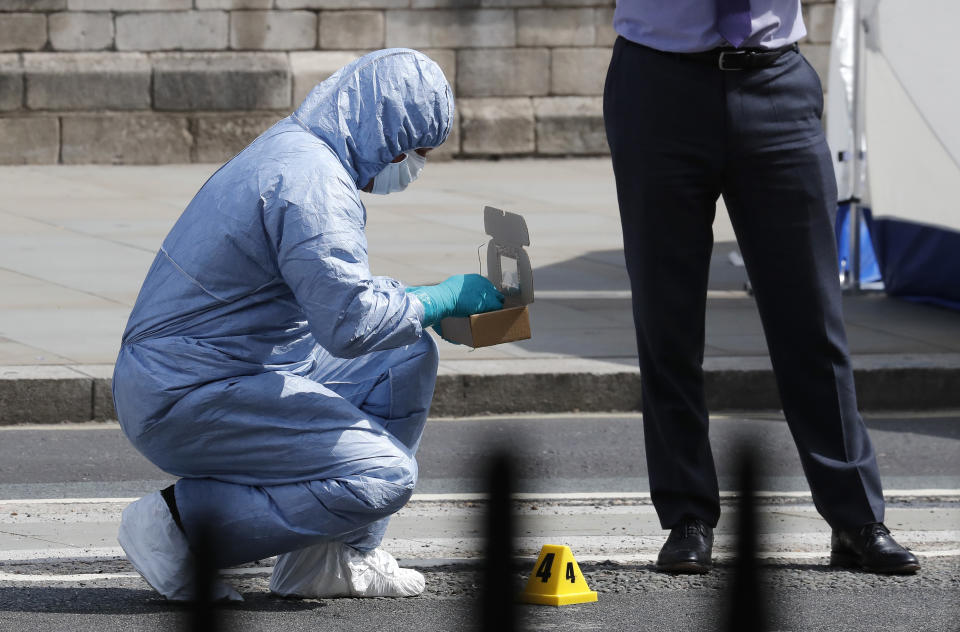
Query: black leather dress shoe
[688, 548]
[871, 548]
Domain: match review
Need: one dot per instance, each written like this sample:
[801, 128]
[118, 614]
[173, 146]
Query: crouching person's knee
[385, 490]
[425, 360]
[424, 352]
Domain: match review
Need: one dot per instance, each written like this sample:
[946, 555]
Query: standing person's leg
[781, 194]
[664, 122]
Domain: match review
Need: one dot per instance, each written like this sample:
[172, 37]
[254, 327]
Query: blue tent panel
[869, 270]
[919, 262]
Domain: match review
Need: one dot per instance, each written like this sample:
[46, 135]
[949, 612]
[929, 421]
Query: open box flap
[508, 265]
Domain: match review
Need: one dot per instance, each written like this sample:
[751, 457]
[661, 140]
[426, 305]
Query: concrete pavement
[75, 243]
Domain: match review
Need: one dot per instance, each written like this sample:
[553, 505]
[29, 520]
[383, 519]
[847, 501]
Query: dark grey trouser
[681, 133]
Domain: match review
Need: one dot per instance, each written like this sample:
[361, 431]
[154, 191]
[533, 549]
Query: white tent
[894, 87]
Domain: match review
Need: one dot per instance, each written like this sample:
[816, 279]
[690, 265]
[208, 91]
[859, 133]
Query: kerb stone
[220, 137]
[273, 30]
[221, 81]
[22, 31]
[29, 141]
[578, 71]
[570, 125]
[351, 30]
[555, 27]
[11, 82]
[81, 31]
[87, 81]
[483, 28]
[172, 30]
[310, 68]
[126, 139]
[463, 395]
[44, 395]
[103, 407]
[503, 72]
[102, 376]
[496, 126]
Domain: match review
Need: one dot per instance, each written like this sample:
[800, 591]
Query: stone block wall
[159, 81]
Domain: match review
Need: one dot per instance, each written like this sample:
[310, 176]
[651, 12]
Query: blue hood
[378, 107]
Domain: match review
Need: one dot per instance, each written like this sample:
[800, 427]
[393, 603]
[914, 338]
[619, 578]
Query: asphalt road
[562, 455]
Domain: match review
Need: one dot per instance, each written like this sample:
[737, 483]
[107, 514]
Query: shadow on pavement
[606, 270]
[107, 601]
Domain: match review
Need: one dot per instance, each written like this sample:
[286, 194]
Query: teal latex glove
[461, 295]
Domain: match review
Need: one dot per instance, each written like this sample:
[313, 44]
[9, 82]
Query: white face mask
[397, 175]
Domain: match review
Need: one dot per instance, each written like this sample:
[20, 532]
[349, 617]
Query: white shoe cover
[158, 549]
[334, 569]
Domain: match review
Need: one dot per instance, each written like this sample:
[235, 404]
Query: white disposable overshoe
[333, 569]
[157, 548]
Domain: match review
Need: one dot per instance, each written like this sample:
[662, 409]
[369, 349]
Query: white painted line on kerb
[616, 558]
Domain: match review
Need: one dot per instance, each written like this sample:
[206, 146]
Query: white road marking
[578, 496]
[64, 553]
[433, 550]
[642, 558]
[89, 577]
[593, 295]
[84, 577]
[941, 543]
[67, 501]
[741, 416]
[551, 496]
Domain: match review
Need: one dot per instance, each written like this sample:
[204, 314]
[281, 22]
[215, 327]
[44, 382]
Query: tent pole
[853, 280]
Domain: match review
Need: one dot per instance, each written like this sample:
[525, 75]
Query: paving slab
[76, 242]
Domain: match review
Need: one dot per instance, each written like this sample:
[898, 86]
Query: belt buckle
[730, 53]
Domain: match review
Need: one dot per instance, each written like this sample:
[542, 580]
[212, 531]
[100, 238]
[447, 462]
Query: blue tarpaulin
[869, 269]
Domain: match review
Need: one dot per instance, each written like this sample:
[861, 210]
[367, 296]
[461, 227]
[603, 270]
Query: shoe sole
[685, 568]
[845, 560]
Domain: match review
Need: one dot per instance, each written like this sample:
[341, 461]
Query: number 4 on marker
[544, 571]
[570, 574]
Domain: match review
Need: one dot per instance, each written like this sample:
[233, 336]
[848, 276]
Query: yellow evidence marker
[556, 579]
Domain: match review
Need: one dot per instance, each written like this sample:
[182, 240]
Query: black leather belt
[740, 59]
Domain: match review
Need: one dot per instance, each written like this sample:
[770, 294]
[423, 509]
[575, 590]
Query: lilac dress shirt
[689, 26]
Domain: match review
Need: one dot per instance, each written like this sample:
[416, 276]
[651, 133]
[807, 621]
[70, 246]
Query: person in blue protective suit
[267, 367]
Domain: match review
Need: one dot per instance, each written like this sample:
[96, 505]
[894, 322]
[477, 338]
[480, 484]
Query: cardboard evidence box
[508, 268]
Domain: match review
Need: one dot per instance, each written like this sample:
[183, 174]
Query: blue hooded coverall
[262, 362]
